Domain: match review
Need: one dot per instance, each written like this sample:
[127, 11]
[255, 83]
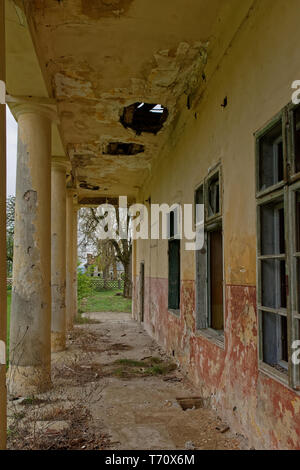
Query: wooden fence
[97, 283]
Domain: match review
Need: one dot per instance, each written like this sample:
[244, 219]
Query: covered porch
[97, 88]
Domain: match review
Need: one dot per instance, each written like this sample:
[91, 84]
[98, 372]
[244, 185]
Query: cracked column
[30, 331]
[71, 292]
[2, 233]
[58, 253]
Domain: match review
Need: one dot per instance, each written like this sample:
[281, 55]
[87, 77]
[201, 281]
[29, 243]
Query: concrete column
[58, 254]
[70, 292]
[30, 332]
[2, 235]
[75, 261]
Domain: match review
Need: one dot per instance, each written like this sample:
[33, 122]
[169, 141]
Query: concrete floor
[139, 412]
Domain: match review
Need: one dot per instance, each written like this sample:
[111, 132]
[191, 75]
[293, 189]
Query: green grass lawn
[104, 301]
[107, 301]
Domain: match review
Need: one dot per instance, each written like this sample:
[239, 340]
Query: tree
[10, 230]
[106, 250]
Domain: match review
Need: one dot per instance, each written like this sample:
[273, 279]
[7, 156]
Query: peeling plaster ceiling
[98, 56]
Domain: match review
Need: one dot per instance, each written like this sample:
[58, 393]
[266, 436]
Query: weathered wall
[255, 73]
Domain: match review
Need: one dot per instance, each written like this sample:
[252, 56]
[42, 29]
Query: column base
[58, 342]
[2, 407]
[24, 381]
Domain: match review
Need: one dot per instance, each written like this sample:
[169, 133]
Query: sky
[12, 138]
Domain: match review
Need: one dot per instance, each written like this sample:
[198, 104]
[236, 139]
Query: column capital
[60, 164]
[20, 108]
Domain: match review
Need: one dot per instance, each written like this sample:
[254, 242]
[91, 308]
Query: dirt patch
[131, 403]
[79, 374]
[128, 368]
[85, 340]
[76, 437]
[80, 320]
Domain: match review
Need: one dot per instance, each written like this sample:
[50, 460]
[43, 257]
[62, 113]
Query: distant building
[114, 271]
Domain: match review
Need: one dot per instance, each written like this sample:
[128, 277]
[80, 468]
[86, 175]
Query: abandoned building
[164, 102]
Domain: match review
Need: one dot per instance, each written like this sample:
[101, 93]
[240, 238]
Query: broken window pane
[272, 229]
[297, 139]
[271, 157]
[273, 285]
[213, 203]
[275, 346]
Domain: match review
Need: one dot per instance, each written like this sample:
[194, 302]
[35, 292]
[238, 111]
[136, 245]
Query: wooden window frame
[282, 116]
[284, 190]
[293, 176]
[294, 375]
[211, 223]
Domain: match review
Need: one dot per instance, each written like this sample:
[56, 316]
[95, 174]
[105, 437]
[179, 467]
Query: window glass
[213, 202]
[297, 139]
[273, 283]
[271, 157]
[199, 195]
[275, 349]
[272, 229]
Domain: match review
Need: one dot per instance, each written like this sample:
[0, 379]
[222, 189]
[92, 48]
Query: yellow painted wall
[255, 73]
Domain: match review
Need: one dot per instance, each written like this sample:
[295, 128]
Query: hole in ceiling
[144, 117]
[90, 187]
[123, 148]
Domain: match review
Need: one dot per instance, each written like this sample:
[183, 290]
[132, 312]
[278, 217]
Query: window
[209, 260]
[271, 157]
[278, 250]
[174, 260]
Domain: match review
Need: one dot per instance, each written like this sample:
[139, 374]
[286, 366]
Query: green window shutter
[174, 274]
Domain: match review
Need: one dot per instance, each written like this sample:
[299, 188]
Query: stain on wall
[254, 404]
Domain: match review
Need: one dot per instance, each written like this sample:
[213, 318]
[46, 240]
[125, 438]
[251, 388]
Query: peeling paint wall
[255, 73]
[99, 56]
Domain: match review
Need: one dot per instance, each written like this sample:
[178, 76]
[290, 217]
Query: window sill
[274, 374]
[212, 335]
[176, 313]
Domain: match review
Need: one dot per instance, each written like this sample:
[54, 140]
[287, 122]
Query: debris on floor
[137, 400]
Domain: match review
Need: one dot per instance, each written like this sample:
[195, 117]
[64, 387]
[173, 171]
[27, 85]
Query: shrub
[84, 286]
